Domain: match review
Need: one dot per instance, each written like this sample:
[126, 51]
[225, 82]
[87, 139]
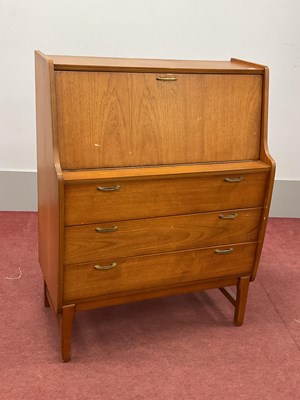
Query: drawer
[156, 271]
[159, 235]
[145, 198]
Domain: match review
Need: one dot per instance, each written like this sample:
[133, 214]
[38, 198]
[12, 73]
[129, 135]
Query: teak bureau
[154, 179]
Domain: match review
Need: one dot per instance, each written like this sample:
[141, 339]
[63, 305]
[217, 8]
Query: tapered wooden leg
[241, 300]
[66, 321]
[46, 301]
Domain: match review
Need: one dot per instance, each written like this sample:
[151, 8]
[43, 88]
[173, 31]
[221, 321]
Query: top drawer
[134, 199]
[114, 119]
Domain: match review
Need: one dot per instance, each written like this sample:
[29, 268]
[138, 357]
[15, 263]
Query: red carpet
[179, 348]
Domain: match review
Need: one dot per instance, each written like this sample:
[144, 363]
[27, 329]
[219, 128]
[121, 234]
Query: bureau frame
[64, 182]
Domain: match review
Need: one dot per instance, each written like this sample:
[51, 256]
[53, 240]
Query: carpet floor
[178, 348]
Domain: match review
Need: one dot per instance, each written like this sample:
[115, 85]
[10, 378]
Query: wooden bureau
[154, 179]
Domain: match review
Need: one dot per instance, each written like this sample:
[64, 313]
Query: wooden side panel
[153, 198]
[157, 235]
[84, 281]
[49, 182]
[108, 119]
[266, 157]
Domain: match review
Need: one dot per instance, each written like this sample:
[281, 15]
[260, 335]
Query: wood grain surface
[83, 280]
[151, 293]
[50, 182]
[84, 204]
[158, 235]
[78, 63]
[266, 157]
[157, 172]
[132, 119]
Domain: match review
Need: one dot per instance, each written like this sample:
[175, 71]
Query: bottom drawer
[144, 272]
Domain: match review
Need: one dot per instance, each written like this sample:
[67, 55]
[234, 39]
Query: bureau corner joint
[165, 160]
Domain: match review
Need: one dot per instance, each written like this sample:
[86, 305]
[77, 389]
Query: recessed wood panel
[108, 119]
[136, 199]
[140, 273]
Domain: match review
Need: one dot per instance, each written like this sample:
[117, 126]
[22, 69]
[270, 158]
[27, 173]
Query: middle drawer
[91, 203]
[158, 235]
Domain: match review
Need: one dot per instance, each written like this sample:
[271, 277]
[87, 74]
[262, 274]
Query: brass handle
[238, 179]
[105, 267]
[224, 251]
[228, 216]
[103, 230]
[169, 78]
[108, 188]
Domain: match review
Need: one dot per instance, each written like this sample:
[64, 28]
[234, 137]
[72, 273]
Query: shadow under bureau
[154, 179]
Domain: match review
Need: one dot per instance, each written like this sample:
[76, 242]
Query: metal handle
[237, 179]
[103, 230]
[105, 267]
[229, 216]
[108, 188]
[224, 251]
[169, 78]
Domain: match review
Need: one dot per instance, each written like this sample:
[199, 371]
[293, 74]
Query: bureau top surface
[163, 171]
[66, 63]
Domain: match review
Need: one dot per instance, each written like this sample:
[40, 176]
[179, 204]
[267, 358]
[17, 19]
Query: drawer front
[145, 272]
[159, 235]
[108, 119]
[137, 199]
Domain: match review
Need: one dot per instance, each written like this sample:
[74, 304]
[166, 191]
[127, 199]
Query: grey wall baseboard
[286, 199]
[19, 193]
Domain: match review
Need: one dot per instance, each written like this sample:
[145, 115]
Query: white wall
[266, 31]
